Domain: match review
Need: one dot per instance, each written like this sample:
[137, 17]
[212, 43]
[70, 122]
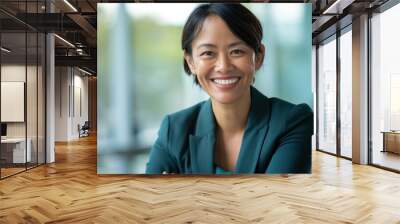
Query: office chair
[84, 130]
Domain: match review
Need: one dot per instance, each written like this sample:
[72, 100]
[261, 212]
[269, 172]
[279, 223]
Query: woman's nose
[223, 63]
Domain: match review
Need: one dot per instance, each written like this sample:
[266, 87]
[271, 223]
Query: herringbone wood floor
[70, 191]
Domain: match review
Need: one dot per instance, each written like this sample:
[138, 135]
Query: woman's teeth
[226, 81]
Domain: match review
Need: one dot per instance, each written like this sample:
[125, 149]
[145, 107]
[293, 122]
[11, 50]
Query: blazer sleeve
[293, 154]
[160, 159]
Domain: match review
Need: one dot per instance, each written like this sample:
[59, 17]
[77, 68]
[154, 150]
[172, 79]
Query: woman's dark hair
[243, 23]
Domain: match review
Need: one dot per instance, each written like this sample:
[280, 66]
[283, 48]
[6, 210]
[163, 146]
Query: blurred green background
[141, 77]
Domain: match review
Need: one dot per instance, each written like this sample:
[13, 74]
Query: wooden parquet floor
[10, 171]
[70, 191]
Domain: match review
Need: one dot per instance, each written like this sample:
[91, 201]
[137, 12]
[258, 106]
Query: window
[385, 87]
[327, 96]
[346, 94]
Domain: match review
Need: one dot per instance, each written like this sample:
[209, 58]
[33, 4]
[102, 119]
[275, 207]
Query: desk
[16, 147]
[391, 141]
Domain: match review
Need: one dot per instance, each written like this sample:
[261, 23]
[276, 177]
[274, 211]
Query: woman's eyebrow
[206, 45]
[214, 46]
[236, 43]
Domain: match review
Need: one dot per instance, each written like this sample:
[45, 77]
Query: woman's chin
[225, 98]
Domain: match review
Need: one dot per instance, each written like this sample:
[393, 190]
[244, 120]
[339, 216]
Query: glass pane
[31, 87]
[21, 78]
[31, 97]
[386, 89]
[346, 94]
[327, 96]
[41, 99]
[13, 87]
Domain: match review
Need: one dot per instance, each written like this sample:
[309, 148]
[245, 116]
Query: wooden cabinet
[391, 142]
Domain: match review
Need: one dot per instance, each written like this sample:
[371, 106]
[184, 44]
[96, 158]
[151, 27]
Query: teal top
[219, 170]
[277, 139]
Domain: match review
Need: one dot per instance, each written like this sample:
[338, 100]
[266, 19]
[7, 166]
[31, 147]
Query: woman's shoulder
[283, 106]
[277, 106]
[289, 114]
[183, 122]
[177, 126]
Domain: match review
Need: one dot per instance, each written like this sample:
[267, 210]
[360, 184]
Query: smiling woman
[238, 130]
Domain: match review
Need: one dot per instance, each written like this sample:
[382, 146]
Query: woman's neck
[232, 118]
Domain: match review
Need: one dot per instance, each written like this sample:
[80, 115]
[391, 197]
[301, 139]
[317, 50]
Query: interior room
[52, 120]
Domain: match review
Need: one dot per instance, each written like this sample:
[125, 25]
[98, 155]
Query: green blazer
[277, 139]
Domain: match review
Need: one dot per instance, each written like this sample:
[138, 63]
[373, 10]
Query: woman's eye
[237, 52]
[207, 53]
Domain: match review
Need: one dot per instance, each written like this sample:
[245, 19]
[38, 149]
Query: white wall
[12, 101]
[71, 94]
[12, 73]
[81, 84]
[62, 81]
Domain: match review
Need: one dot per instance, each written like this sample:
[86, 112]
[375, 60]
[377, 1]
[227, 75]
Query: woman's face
[224, 64]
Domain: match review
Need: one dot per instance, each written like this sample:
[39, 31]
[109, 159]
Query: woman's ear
[189, 61]
[260, 57]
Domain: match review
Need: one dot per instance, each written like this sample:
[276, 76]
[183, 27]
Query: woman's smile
[225, 83]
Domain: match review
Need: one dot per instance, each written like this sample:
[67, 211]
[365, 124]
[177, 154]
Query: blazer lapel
[202, 154]
[201, 143]
[255, 132]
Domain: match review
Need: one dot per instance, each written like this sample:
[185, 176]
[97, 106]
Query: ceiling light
[84, 71]
[338, 6]
[70, 5]
[5, 49]
[64, 40]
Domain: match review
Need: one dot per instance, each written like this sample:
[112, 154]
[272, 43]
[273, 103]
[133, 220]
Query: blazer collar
[202, 142]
